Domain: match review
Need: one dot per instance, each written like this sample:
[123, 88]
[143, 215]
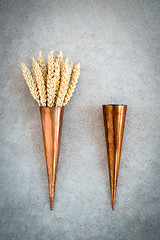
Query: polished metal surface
[52, 118]
[114, 122]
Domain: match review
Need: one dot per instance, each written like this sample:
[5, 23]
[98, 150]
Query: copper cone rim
[114, 105]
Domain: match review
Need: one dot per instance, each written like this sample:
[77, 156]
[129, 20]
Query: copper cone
[114, 121]
[52, 118]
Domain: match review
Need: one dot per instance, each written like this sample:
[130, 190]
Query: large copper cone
[114, 121]
[52, 118]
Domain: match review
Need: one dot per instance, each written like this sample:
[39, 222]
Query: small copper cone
[52, 118]
[114, 121]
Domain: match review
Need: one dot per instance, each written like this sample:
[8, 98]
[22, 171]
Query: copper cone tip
[52, 118]
[114, 122]
[51, 194]
[113, 204]
[51, 200]
[51, 203]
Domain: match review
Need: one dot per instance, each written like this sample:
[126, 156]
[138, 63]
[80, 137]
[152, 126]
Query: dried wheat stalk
[43, 66]
[65, 77]
[40, 83]
[60, 59]
[50, 81]
[56, 79]
[33, 71]
[56, 87]
[72, 84]
[57, 73]
[30, 82]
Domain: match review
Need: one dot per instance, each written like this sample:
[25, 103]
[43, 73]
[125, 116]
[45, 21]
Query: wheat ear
[33, 72]
[65, 77]
[72, 84]
[30, 82]
[56, 80]
[40, 83]
[60, 59]
[43, 66]
[57, 72]
[50, 81]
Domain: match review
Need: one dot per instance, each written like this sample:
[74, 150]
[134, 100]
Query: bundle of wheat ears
[52, 88]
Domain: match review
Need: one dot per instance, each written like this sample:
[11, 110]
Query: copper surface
[52, 118]
[114, 121]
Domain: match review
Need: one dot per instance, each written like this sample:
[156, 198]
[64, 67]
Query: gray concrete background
[118, 46]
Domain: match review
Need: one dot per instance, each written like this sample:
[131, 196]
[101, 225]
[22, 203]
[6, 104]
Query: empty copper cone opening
[114, 121]
[52, 118]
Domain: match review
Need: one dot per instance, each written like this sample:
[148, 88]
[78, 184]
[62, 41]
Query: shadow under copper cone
[114, 122]
[52, 118]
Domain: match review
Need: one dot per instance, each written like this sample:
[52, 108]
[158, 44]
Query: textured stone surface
[118, 45]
